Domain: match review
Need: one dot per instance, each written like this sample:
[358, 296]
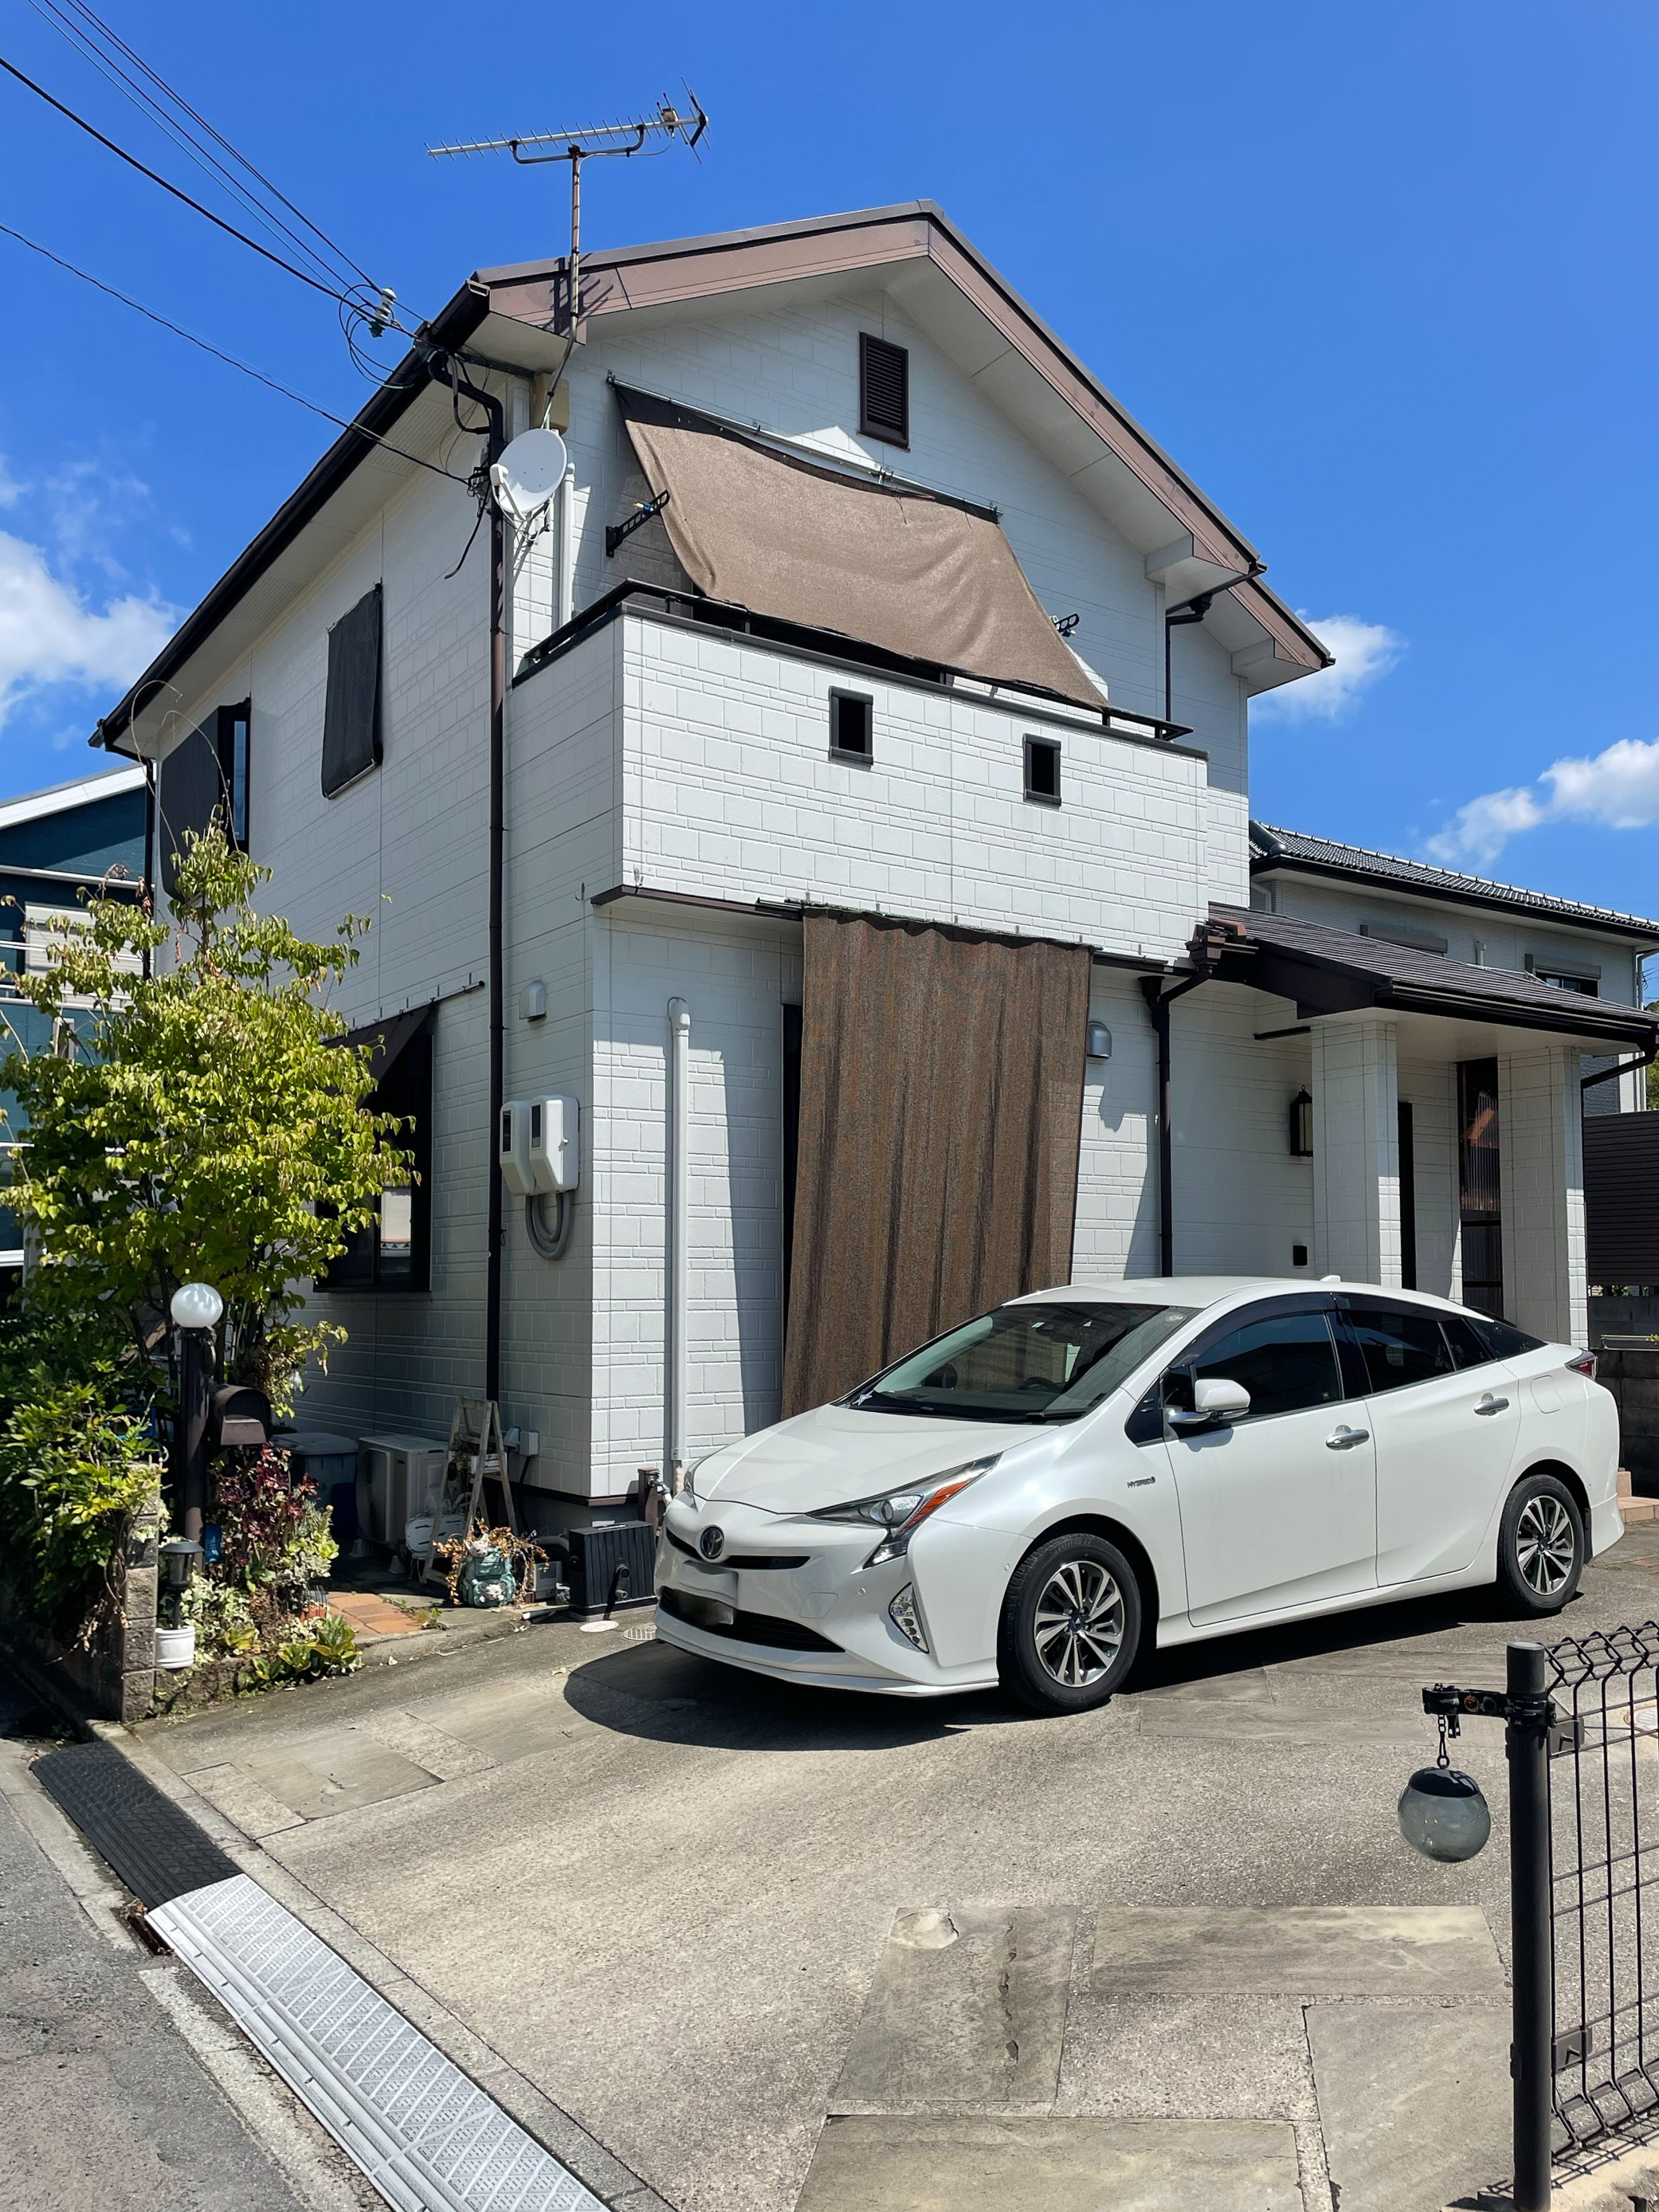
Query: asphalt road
[697, 1909]
[103, 2103]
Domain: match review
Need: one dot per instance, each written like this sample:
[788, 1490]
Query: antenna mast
[627, 138]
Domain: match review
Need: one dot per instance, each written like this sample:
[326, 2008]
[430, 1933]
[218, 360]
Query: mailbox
[237, 1416]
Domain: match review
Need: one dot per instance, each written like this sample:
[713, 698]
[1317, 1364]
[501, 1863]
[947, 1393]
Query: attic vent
[884, 391]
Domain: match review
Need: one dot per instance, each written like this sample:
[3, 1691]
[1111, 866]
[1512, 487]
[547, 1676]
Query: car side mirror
[1216, 1401]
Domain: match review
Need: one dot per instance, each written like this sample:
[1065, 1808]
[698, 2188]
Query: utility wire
[330, 291]
[112, 39]
[229, 360]
[156, 114]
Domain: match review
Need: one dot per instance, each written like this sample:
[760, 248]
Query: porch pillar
[1356, 1149]
[1541, 1172]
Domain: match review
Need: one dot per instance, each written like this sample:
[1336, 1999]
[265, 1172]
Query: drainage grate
[157, 1850]
[427, 2136]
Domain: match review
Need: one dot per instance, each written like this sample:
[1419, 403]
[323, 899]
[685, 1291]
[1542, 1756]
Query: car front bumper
[822, 1618]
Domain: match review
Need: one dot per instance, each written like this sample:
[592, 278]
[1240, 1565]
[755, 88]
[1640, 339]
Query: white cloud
[50, 634]
[1364, 652]
[1618, 788]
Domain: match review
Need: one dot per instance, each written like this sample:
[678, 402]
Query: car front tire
[1541, 1545]
[1071, 1623]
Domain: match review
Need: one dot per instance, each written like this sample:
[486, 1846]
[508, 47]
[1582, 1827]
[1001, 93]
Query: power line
[329, 291]
[229, 360]
[106, 49]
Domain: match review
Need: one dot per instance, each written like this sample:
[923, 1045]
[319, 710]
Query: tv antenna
[626, 138]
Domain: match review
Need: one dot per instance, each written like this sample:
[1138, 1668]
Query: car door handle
[1344, 1439]
[1490, 1405]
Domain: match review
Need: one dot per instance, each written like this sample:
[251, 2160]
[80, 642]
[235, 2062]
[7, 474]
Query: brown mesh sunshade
[913, 573]
[941, 1102]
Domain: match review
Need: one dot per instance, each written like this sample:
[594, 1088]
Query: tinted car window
[1468, 1347]
[1502, 1340]
[1024, 1362]
[1402, 1345]
[1286, 1361]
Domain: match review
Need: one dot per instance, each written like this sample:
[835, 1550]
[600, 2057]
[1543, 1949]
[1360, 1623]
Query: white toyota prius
[1036, 1495]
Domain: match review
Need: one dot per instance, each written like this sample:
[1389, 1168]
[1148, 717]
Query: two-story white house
[844, 798]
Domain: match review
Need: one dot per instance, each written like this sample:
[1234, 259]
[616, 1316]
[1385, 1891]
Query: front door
[1278, 1508]
[1446, 1433]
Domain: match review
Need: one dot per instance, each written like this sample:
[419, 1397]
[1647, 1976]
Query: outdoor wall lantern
[1302, 1126]
[1443, 1813]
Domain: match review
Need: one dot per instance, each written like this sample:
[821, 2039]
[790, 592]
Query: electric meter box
[539, 1145]
[555, 1153]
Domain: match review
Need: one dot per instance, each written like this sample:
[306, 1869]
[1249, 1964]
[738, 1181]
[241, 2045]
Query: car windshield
[1024, 1362]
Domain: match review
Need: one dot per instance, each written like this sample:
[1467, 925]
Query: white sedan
[1035, 1495]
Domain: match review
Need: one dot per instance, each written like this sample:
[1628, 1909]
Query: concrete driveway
[774, 1946]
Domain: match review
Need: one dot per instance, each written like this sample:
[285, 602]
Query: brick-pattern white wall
[730, 792]
[1356, 1149]
[1541, 1170]
[1117, 1228]
[1232, 1096]
[735, 977]
[1431, 1088]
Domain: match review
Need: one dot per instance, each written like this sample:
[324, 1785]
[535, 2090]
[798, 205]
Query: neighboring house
[777, 824]
[55, 844]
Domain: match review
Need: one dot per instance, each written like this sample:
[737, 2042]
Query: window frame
[1051, 749]
[840, 696]
[1198, 1354]
[234, 772]
[883, 432]
[406, 1088]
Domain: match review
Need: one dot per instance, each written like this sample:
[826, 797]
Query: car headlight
[902, 1512]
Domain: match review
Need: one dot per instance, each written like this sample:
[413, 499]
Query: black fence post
[1527, 1744]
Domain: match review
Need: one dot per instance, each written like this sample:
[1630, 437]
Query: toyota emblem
[712, 1543]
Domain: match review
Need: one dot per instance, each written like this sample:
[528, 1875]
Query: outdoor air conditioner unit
[398, 1477]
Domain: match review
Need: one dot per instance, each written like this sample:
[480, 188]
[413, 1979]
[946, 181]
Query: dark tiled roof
[1290, 848]
[1329, 970]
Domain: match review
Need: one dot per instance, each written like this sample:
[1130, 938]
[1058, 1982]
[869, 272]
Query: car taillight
[1583, 1363]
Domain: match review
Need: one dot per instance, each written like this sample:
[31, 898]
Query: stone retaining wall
[112, 1675]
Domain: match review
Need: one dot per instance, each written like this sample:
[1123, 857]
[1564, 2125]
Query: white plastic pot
[176, 1647]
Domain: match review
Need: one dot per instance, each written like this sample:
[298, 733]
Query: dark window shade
[1621, 1197]
[191, 787]
[884, 391]
[351, 717]
[851, 720]
[1042, 771]
[1407, 1196]
[393, 1252]
[234, 742]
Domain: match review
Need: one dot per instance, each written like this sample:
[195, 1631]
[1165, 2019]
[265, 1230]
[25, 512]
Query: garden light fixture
[197, 1305]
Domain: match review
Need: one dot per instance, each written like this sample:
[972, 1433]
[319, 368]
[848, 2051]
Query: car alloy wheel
[1079, 1627]
[1071, 1622]
[1546, 1545]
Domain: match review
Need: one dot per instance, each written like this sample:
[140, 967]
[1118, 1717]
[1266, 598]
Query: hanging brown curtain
[941, 1103]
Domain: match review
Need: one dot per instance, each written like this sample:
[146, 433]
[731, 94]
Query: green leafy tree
[205, 1126]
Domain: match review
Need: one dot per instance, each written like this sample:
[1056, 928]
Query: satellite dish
[528, 473]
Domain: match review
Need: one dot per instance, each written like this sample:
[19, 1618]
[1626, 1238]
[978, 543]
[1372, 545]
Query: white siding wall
[735, 977]
[730, 792]
[1116, 1233]
[1241, 1202]
[794, 369]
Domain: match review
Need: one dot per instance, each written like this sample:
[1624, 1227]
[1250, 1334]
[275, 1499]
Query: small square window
[851, 717]
[884, 391]
[1042, 771]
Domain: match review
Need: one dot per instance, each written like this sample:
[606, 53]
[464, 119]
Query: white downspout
[567, 548]
[680, 1050]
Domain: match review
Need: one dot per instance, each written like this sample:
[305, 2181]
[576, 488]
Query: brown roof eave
[451, 327]
[1630, 928]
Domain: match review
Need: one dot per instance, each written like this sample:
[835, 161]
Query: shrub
[74, 1471]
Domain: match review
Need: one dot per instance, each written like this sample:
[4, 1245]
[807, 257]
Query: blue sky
[1381, 278]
